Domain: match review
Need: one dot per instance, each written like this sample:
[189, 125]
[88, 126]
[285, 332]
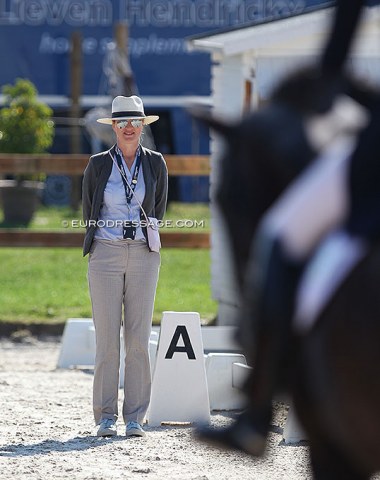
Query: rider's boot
[270, 315]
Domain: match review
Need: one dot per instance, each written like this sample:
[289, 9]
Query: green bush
[25, 123]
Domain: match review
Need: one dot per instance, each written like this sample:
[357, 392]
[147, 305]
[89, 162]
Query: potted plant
[26, 126]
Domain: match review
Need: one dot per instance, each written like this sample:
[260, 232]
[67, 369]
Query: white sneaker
[107, 428]
[134, 429]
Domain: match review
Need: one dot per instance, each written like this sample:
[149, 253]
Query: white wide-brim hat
[128, 108]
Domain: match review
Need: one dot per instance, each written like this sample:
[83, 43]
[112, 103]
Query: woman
[122, 270]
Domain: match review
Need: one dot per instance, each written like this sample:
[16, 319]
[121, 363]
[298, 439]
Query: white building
[247, 63]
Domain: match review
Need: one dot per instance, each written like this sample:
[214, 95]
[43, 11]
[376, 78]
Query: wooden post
[247, 96]
[123, 67]
[75, 111]
[121, 37]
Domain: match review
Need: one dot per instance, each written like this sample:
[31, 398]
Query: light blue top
[115, 209]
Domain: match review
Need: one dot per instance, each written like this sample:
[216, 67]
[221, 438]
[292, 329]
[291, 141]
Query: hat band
[127, 114]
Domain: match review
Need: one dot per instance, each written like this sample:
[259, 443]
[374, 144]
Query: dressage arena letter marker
[179, 387]
[181, 332]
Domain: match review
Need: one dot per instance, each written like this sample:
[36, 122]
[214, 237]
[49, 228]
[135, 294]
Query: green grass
[49, 285]
[57, 218]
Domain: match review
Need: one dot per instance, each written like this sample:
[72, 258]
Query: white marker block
[240, 373]
[179, 387]
[222, 393]
[293, 431]
[77, 347]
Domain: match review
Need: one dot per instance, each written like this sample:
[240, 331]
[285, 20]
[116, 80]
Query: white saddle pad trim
[314, 204]
[329, 267]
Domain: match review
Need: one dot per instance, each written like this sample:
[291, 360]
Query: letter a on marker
[187, 348]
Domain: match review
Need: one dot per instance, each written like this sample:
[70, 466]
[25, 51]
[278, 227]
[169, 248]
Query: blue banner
[35, 40]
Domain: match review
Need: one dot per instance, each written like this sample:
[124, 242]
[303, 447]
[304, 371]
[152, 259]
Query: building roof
[300, 34]
[263, 21]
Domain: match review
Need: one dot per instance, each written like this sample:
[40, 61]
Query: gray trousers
[122, 273]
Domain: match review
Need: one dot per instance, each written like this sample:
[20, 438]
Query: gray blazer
[96, 177]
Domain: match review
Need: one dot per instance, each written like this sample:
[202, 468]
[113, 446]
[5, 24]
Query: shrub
[25, 122]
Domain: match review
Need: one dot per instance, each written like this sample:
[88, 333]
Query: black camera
[129, 230]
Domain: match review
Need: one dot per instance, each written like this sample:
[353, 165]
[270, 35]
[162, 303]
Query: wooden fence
[74, 164]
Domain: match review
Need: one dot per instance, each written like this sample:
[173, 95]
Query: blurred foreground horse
[309, 268]
[300, 194]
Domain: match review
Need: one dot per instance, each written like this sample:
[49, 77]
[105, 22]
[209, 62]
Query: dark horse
[335, 371]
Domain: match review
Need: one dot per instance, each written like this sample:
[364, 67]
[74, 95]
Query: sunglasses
[136, 123]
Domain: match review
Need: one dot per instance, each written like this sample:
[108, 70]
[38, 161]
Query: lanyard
[129, 189]
[122, 173]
